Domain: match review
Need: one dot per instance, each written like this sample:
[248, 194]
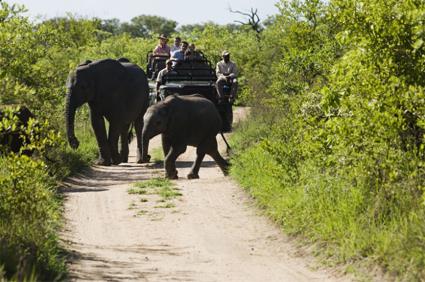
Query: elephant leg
[138, 126]
[98, 124]
[200, 154]
[165, 145]
[114, 134]
[213, 152]
[124, 143]
[170, 161]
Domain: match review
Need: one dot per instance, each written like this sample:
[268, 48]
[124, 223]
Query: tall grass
[340, 211]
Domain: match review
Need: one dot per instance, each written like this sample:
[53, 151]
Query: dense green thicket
[30, 216]
[337, 154]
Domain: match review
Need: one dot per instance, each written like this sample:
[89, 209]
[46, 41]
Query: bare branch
[239, 12]
[242, 23]
[253, 19]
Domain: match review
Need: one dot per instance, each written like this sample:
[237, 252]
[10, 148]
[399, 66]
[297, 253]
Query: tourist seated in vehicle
[227, 73]
[192, 53]
[162, 49]
[176, 46]
[161, 76]
[179, 55]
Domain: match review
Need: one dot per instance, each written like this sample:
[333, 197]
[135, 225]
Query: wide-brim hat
[225, 53]
[162, 36]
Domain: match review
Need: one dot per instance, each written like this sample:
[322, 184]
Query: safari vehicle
[194, 76]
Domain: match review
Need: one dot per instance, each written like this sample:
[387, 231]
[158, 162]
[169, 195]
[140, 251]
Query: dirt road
[212, 232]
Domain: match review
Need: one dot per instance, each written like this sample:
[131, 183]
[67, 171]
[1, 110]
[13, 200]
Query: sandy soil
[213, 232]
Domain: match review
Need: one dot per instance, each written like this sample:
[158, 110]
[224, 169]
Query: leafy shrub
[342, 161]
[29, 219]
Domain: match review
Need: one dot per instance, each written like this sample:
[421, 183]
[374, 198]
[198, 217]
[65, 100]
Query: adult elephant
[116, 90]
[12, 139]
[184, 120]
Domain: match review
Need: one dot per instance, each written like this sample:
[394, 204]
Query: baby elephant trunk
[145, 146]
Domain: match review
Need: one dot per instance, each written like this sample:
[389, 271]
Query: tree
[112, 26]
[146, 25]
[253, 19]
[191, 28]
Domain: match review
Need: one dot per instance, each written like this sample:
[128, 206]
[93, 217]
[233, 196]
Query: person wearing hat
[161, 76]
[227, 74]
[162, 48]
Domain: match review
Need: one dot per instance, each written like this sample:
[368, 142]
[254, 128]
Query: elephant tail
[228, 149]
[130, 133]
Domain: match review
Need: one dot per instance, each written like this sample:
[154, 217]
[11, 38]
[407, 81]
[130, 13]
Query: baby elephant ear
[123, 60]
[163, 111]
[86, 62]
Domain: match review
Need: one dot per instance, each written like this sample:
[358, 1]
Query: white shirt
[224, 68]
[175, 48]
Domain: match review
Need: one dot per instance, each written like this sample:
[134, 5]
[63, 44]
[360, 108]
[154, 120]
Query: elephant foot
[116, 162]
[116, 159]
[103, 162]
[192, 176]
[124, 158]
[144, 160]
[172, 175]
[225, 169]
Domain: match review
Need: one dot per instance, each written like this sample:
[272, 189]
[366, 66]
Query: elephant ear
[85, 63]
[86, 80]
[123, 60]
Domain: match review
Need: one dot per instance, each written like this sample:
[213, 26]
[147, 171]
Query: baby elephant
[184, 120]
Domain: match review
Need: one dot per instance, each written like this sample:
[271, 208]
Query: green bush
[339, 158]
[29, 220]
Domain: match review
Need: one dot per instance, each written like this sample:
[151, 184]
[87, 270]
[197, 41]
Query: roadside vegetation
[333, 149]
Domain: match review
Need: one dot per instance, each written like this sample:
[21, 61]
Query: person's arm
[156, 50]
[233, 71]
[159, 81]
[219, 71]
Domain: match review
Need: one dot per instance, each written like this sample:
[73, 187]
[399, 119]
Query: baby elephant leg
[196, 165]
[212, 150]
[222, 163]
[170, 161]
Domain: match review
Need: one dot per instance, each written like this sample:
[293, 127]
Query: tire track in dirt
[214, 232]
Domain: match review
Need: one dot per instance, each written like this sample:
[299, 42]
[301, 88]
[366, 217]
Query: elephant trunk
[70, 118]
[145, 146]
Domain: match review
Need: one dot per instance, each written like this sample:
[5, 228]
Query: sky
[183, 11]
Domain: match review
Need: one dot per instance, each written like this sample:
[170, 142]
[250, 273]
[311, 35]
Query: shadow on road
[103, 269]
[97, 178]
